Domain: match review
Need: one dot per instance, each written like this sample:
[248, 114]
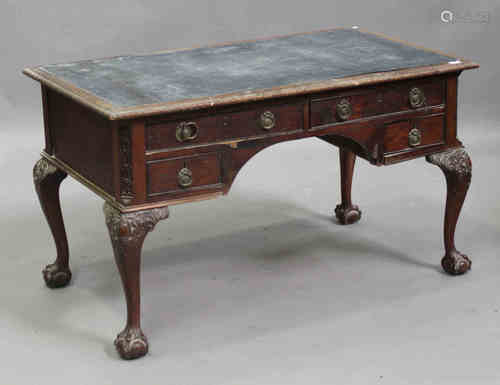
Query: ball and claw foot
[347, 215]
[456, 263]
[56, 276]
[131, 344]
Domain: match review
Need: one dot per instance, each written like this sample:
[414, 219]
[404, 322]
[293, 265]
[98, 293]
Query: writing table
[146, 132]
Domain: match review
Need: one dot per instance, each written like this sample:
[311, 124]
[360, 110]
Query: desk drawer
[413, 95]
[265, 120]
[346, 106]
[182, 132]
[183, 174]
[409, 134]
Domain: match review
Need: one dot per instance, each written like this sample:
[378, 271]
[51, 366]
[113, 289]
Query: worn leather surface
[137, 80]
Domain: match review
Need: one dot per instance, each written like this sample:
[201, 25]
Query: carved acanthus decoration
[126, 182]
[453, 162]
[43, 168]
[124, 226]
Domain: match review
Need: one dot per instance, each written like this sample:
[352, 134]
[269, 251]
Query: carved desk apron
[150, 131]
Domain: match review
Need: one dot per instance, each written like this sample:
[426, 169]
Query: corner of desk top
[464, 64]
[77, 94]
[472, 64]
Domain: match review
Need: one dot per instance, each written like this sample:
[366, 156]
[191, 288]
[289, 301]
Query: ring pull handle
[186, 131]
[414, 137]
[344, 109]
[416, 97]
[267, 120]
[185, 177]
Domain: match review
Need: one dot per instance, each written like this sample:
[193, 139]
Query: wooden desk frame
[130, 157]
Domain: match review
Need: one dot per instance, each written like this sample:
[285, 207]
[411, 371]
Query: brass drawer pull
[417, 97]
[344, 109]
[414, 137]
[186, 131]
[185, 177]
[267, 120]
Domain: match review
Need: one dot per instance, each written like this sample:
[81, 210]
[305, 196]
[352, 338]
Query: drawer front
[262, 121]
[180, 133]
[183, 174]
[337, 109]
[413, 95]
[415, 133]
[345, 106]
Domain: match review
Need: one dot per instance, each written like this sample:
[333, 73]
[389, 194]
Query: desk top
[138, 85]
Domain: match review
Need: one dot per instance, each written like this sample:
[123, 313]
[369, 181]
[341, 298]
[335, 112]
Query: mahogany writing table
[149, 131]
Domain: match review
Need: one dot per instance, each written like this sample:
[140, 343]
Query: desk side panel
[451, 109]
[80, 138]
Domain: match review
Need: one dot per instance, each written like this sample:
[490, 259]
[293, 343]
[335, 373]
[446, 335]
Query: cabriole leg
[47, 179]
[457, 168]
[127, 232]
[346, 212]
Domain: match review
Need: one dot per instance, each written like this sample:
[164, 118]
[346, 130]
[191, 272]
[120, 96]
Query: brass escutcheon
[185, 177]
[414, 137]
[267, 120]
[186, 131]
[416, 97]
[344, 109]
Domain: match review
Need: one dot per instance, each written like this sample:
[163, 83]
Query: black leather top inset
[127, 81]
